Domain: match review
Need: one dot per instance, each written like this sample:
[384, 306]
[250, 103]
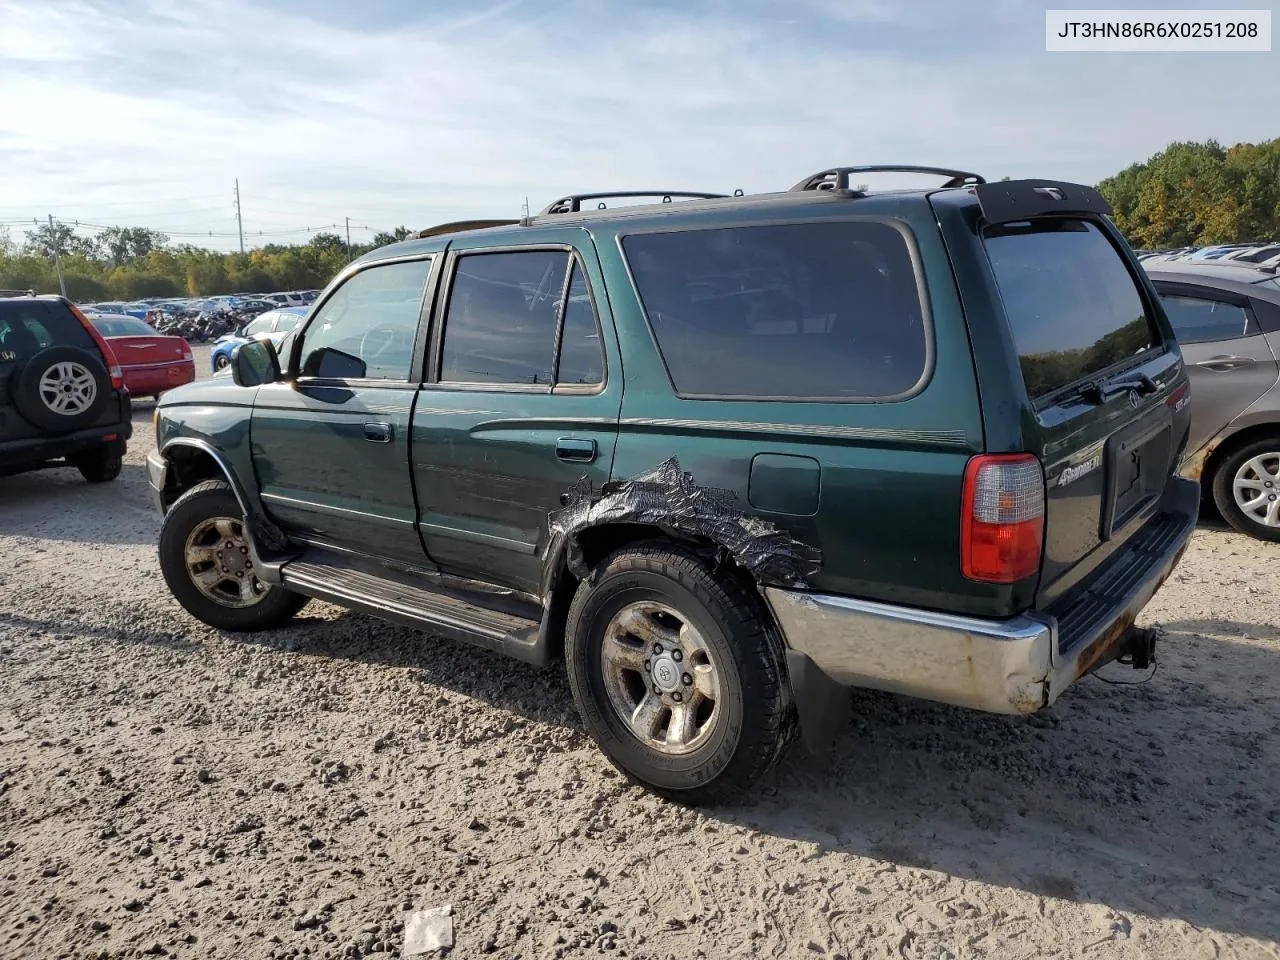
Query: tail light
[186, 350]
[113, 365]
[1002, 523]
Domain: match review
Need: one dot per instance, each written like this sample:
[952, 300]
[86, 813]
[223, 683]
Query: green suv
[724, 456]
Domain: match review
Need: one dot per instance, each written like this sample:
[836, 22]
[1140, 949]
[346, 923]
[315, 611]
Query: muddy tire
[678, 674]
[206, 562]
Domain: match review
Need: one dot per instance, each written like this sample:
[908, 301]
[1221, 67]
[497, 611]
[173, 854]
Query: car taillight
[1002, 521]
[186, 350]
[113, 365]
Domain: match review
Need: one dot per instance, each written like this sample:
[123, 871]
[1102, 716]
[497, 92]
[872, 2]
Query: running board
[395, 594]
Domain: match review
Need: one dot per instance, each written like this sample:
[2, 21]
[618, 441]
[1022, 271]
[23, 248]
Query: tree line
[1189, 194]
[1195, 194]
[131, 263]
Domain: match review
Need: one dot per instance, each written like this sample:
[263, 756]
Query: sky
[418, 112]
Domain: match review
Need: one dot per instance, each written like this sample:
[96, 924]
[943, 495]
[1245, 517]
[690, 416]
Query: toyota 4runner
[62, 395]
[726, 456]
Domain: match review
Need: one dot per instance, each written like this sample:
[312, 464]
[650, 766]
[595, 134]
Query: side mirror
[255, 363]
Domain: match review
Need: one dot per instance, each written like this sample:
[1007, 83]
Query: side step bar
[412, 600]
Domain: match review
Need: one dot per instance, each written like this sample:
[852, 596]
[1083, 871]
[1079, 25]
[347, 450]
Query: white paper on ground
[427, 930]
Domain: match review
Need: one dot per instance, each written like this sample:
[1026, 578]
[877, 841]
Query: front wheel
[222, 362]
[206, 561]
[1246, 489]
[677, 674]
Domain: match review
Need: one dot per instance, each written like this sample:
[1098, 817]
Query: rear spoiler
[1011, 200]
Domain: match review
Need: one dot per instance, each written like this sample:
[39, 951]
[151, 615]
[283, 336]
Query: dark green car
[724, 456]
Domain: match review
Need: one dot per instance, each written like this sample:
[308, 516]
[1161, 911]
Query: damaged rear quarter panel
[888, 517]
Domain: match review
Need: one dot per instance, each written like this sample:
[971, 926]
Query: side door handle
[376, 431]
[1224, 363]
[576, 450]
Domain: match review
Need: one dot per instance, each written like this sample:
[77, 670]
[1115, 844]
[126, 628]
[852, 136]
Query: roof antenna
[525, 220]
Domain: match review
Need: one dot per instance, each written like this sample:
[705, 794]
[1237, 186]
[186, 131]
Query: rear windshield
[29, 326]
[825, 310]
[122, 327]
[1072, 304]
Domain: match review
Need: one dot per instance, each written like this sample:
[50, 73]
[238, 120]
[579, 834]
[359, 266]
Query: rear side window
[1196, 320]
[501, 324]
[825, 310]
[29, 326]
[1072, 305]
[508, 310]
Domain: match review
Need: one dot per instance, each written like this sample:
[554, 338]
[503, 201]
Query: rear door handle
[376, 431]
[576, 450]
[1224, 363]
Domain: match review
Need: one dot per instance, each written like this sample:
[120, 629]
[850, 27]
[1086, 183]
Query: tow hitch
[1138, 648]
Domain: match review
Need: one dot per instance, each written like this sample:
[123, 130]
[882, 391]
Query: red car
[152, 363]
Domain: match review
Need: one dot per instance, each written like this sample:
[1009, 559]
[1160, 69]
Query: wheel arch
[189, 461]
[1221, 450]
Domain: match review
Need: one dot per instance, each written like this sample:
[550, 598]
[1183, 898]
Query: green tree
[124, 244]
[1199, 193]
[395, 236]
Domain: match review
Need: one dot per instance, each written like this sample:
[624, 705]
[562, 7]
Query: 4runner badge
[1072, 474]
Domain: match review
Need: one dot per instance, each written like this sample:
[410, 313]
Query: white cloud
[113, 111]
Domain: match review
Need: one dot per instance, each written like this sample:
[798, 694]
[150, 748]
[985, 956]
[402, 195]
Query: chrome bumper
[156, 468]
[1001, 666]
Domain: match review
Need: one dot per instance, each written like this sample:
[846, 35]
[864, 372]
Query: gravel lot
[169, 790]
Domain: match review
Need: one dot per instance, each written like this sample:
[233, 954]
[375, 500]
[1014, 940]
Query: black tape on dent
[667, 497]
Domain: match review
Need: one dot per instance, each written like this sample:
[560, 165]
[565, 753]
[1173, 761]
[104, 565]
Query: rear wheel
[676, 674]
[101, 465]
[206, 561]
[1246, 489]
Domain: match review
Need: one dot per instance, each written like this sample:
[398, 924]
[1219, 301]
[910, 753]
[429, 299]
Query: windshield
[1072, 305]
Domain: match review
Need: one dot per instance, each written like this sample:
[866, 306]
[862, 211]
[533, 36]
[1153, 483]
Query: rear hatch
[27, 326]
[1108, 401]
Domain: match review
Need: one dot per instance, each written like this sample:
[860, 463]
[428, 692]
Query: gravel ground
[166, 789]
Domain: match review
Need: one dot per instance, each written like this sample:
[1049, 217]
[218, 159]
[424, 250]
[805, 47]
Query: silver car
[1227, 318]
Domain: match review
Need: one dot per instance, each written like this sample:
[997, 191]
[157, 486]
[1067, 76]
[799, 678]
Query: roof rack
[459, 225]
[837, 178]
[573, 202]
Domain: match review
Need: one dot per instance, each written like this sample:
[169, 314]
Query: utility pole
[239, 218]
[348, 239]
[57, 256]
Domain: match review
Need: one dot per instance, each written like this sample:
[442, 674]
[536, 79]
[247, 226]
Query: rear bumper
[1018, 665]
[150, 379]
[21, 455]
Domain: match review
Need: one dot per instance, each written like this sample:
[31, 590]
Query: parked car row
[1266, 255]
[200, 319]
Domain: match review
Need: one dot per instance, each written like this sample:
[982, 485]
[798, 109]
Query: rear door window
[828, 310]
[1198, 319]
[1073, 306]
[501, 323]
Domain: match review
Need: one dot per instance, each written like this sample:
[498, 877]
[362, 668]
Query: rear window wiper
[1100, 391]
